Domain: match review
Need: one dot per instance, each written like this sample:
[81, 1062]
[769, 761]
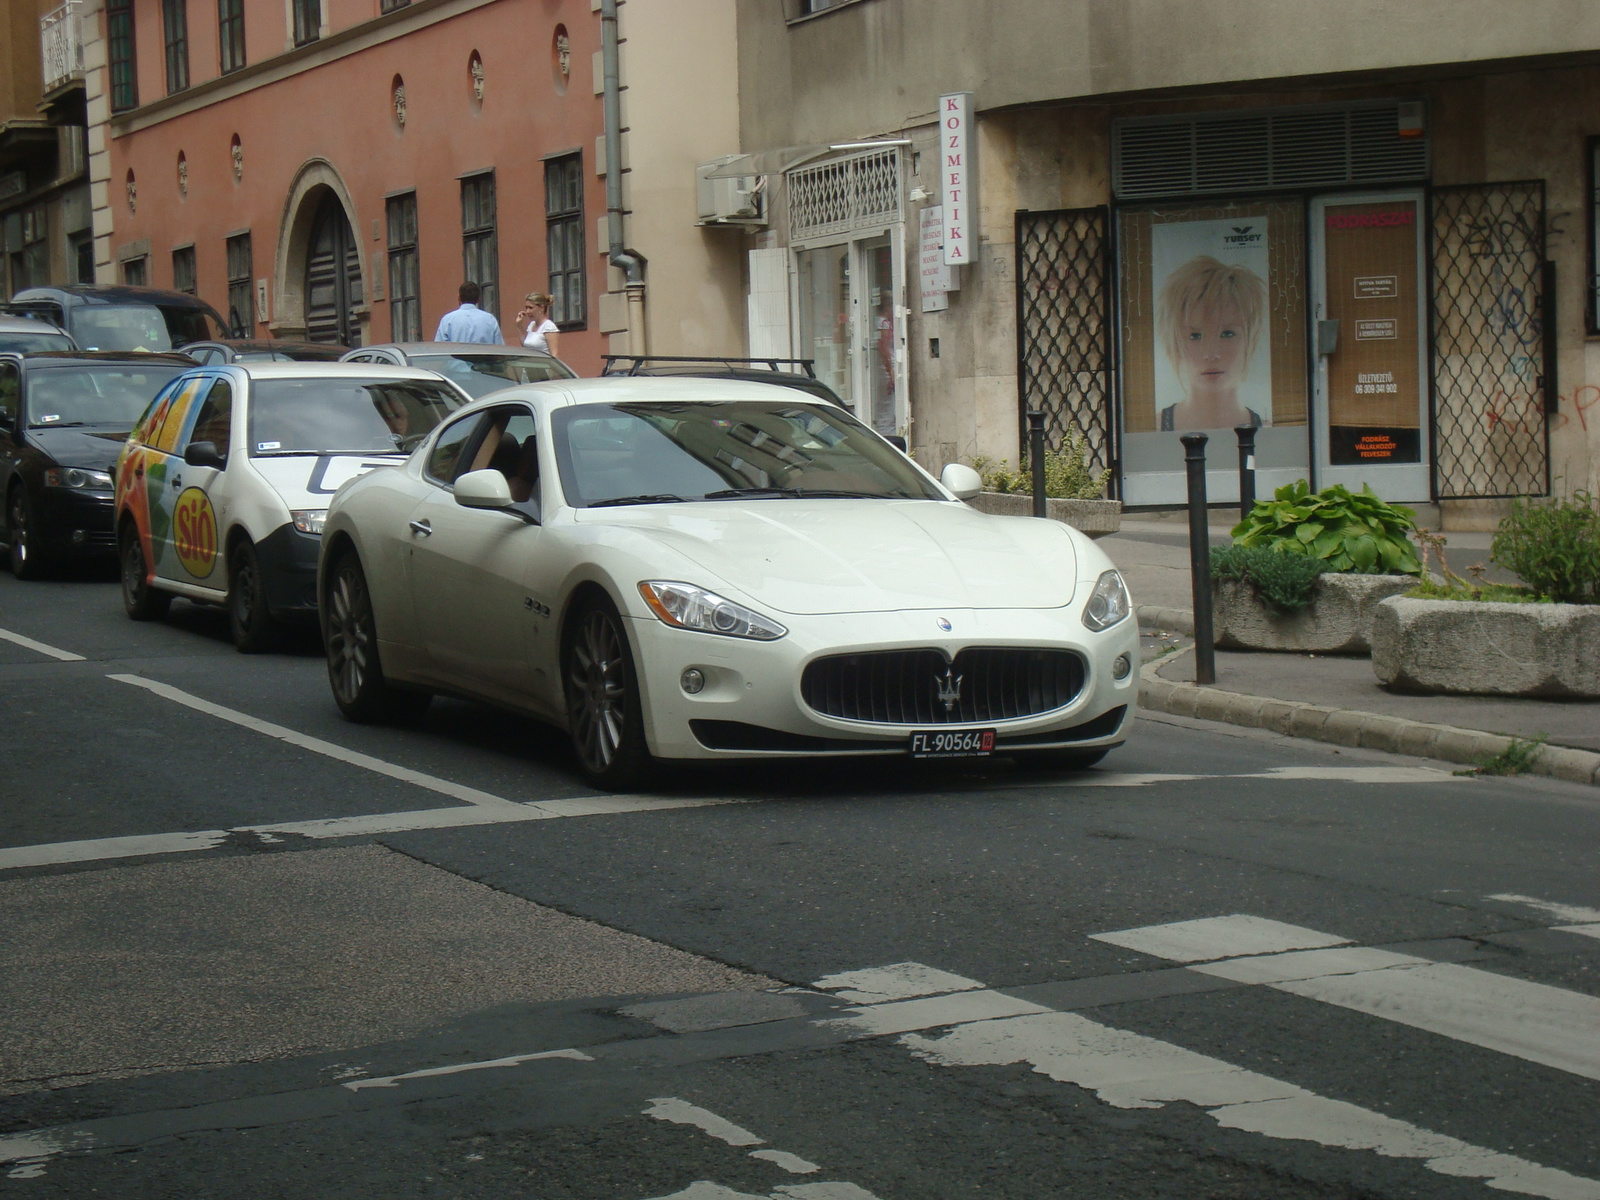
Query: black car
[30, 335]
[63, 420]
[249, 350]
[121, 318]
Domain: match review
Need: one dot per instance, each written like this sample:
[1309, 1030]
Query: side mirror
[962, 480]
[203, 454]
[483, 489]
[898, 442]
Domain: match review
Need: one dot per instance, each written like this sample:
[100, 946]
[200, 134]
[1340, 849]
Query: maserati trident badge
[949, 685]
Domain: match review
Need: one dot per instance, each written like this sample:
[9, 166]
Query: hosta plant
[1347, 531]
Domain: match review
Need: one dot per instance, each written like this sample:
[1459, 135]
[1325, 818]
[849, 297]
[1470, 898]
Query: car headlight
[690, 607]
[77, 477]
[1108, 603]
[309, 520]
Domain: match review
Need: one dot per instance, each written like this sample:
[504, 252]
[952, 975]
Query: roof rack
[634, 364]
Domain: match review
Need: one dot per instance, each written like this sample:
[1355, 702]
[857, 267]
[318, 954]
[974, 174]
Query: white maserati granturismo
[706, 569]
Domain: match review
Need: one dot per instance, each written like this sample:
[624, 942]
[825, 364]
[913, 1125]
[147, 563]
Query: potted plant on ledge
[1074, 492]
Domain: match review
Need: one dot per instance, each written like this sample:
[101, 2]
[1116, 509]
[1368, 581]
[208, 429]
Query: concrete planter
[1337, 621]
[1487, 649]
[1097, 518]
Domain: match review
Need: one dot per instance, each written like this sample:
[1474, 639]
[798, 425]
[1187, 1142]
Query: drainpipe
[631, 262]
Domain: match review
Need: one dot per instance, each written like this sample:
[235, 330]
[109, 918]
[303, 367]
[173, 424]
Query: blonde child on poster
[1209, 319]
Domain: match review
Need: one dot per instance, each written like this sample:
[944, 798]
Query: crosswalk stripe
[1548, 1025]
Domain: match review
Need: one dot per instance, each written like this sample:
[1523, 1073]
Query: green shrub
[1067, 476]
[1345, 530]
[1459, 589]
[1284, 581]
[1553, 548]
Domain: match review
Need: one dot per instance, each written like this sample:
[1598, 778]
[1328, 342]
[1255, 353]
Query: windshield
[33, 343]
[120, 327]
[98, 395]
[344, 416]
[480, 374]
[741, 450]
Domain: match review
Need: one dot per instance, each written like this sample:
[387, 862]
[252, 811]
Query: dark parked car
[121, 318]
[475, 368]
[251, 350]
[798, 373]
[30, 335]
[63, 420]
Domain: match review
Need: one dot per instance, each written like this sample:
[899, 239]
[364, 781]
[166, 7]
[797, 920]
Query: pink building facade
[333, 171]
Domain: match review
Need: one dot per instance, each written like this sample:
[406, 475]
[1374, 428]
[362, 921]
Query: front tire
[141, 600]
[249, 619]
[27, 560]
[350, 634]
[604, 714]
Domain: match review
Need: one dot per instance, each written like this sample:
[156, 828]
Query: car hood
[833, 556]
[92, 449]
[307, 482]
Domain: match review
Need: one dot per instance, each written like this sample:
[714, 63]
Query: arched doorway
[333, 277]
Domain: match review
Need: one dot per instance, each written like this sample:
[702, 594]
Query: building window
[175, 25]
[230, 33]
[119, 33]
[183, 269]
[480, 249]
[81, 248]
[134, 273]
[241, 303]
[391, 5]
[28, 240]
[563, 215]
[405, 296]
[307, 21]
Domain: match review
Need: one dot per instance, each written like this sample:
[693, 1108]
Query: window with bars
[119, 36]
[175, 28]
[183, 269]
[405, 293]
[307, 21]
[480, 247]
[563, 214]
[241, 301]
[230, 34]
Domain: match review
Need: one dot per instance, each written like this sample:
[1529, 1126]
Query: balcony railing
[61, 39]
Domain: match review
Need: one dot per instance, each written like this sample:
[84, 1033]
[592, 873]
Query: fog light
[692, 680]
[1121, 666]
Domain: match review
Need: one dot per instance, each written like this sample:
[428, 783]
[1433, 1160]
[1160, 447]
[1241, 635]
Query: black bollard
[1247, 468]
[1205, 642]
[1036, 459]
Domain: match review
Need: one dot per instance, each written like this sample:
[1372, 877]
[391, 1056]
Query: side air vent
[1267, 149]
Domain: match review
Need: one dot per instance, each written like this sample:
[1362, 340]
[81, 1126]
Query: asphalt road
[249, 950]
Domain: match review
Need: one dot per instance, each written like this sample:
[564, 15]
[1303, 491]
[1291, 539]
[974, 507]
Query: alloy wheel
[17, 520]
[349, 634]
[597, 688]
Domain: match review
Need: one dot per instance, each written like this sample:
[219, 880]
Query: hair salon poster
[1213, 367]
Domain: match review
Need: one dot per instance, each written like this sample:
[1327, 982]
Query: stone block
[1343, 728]
[1097, 518]
[1476, 648]
[1561, 762]
[1275, 714]
[1337, 621]
[1307, 720]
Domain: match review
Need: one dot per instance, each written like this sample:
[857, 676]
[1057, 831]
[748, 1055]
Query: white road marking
[1217, 937]
[703, 1190]
[95, 849]
[1129, 1070]
[1532, 1021]
[791, 1163]
[897, 981]
[514, 1060]
[433, 783]
[931, 1013]
[681, 1112]
[1586, 930]
[29, 644]
[1561, 912]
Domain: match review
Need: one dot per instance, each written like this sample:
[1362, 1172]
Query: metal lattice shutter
[1064, 366]
[1218, 153]
[1491, 433]
[843, 194]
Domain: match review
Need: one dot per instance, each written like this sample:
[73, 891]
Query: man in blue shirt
[469, 323]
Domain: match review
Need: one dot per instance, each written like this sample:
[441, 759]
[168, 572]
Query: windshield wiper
[763, 493]
[59, 425]
[656, 498]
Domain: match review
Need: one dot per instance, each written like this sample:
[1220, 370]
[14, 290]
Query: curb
[1345, 726]
[1153, 616]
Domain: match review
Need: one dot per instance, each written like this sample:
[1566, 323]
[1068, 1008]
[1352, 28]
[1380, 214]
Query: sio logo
[194, 532]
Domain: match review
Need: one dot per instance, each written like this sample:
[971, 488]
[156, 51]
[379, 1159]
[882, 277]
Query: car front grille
[923, 687]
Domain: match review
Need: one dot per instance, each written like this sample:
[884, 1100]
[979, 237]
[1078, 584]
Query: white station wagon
[707, 569]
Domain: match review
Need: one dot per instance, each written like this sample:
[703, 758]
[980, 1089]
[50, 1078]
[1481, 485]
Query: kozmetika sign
[956, 177]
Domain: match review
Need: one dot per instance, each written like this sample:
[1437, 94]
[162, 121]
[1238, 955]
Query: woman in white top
[539, 332]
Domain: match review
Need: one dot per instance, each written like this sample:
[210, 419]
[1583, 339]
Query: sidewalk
[1326, 697]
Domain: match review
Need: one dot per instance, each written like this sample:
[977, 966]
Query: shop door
[333, 278]
[851, 322]
[1371, 423]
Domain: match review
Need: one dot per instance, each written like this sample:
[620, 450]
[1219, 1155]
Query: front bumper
[69, 521]
[751, 705]
[288, 561]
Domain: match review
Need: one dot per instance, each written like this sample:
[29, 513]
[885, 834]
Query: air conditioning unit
[728, 201]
